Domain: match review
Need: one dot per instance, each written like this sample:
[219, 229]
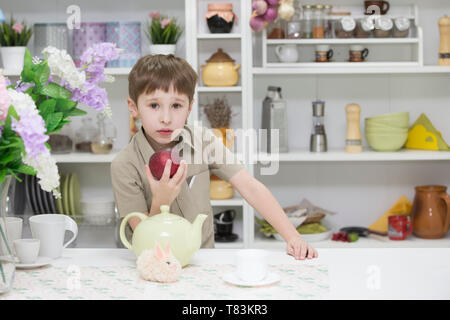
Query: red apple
[158, 161]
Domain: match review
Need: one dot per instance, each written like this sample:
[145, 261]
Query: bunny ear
[168, 251]
[158, 251]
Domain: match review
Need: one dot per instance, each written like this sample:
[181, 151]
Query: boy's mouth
[165, 132]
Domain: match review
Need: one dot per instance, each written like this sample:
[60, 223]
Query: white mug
[251, 264]
[27, 250]
[50, 230]
[13, 231]
[287, 53]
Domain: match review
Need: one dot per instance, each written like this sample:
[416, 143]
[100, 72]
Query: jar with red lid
[220, 17]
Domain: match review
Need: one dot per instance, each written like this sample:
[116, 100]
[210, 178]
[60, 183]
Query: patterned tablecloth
[299, 281]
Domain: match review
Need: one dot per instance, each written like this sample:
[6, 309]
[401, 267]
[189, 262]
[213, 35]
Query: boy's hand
[300, 249]
[167, 189]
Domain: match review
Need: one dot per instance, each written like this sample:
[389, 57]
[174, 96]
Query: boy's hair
[153, 72]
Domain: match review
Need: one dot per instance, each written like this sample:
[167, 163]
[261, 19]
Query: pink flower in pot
[17, 27]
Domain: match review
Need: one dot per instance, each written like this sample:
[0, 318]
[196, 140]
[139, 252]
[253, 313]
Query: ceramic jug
[431, 212]
[287, 53]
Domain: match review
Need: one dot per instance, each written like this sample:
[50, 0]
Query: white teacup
[251, 264]
[50, 230]
[13, 232]
[27, 250]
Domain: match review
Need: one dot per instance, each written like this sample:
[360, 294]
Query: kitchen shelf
[218, 36]
[81, 157]
[343, 41]
[366, 155]
[360, 69]
[220, 89]
[233, 202]
[370, 242]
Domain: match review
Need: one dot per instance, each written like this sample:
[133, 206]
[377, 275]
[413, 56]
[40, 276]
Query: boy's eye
[153, 105]
[176, 105]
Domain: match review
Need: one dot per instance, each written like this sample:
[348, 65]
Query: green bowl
[386, 142]
[400, 119]
[382, 129]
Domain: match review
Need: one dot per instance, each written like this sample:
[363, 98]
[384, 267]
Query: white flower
[62, 65]
[47, 172]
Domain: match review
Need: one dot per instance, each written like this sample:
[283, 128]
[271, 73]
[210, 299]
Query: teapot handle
[446, 199]
[123, 238]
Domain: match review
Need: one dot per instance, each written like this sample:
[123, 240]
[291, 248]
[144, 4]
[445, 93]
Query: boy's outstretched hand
[300, 249]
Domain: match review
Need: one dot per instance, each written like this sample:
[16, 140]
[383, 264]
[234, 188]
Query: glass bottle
[383, 27]
[318, 22]
[328, 21]
[104, 141]
[364, 27]
[62, 141]
[85, 135]
[345, 27]
[294, 27]
[307, 26]
[277, 30]
[401, 27]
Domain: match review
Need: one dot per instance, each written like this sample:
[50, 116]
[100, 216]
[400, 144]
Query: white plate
[234, 279]
[40, 262]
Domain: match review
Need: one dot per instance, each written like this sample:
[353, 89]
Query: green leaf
[27, 72]
[65, 105]
[26, 169]
[55, 91]
[42, 74]
[7, 157]
[77, 112]
[53, 121]
[47, 107]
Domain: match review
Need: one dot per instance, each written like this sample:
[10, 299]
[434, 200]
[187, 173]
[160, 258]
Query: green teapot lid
[165, 215]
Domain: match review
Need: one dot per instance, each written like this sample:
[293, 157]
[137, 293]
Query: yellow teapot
[183, 237]
[220, 70]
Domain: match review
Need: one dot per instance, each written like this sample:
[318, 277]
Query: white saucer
[234, 279]
[40, 261]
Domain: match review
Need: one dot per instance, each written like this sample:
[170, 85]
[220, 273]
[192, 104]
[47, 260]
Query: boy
[161, 89]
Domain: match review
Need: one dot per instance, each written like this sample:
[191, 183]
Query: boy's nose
[165, 117]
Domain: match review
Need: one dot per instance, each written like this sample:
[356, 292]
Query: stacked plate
[387, 132]
[43, 202]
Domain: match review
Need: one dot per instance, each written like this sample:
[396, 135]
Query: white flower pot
[163, 48]
[12, 58]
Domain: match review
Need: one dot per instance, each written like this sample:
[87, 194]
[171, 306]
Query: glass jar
[277, 30]
[62, 141]
[345, 27]
[294, 27]
[85, 135]
[328, 21]
[104, 141]
[383, 27]
[307, 25]
[364, 28]
[318, 22]
[401, 27]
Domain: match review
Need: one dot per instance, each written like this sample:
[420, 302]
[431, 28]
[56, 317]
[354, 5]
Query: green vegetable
[311, 228]
[352, 237]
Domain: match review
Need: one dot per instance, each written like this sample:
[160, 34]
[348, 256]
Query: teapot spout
[196, 232]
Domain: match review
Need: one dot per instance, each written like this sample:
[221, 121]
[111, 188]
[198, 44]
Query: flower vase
[12, 58]
[163, 48]
[7, 266]
[218, 188]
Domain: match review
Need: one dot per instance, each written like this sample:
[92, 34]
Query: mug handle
[71, 226]
[278, 51]
[444, 196]
[409, 227]
[364, 53]
[385, 7]
[330, 54]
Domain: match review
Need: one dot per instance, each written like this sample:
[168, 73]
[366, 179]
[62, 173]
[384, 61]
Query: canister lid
[307, 6]
[384, 23]
[220, 6]
[220, 56]
[348, 24]
[319, 6]
[402, 23]
[367, 24]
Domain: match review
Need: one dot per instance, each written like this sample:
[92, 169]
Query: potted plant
[163, 33]
[14, 38]
[41, 103]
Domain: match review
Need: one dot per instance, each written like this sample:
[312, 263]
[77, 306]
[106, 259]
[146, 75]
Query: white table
[356, 273]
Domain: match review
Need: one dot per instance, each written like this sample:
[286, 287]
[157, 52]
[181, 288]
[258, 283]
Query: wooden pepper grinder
[353, 143]
[444, 49]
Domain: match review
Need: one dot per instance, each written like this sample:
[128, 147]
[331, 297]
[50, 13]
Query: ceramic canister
[51, 34]
[87, 35]
[126, 35]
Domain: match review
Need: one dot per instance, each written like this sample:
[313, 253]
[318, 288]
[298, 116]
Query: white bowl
[97, 211]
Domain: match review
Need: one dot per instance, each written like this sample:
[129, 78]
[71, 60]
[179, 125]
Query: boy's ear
[132, 107]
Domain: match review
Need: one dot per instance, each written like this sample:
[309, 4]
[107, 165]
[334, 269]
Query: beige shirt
[205, 154]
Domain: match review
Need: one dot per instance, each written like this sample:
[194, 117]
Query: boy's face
[161, 113]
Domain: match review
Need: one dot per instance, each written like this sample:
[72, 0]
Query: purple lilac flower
[94, 96]
[24, 86]
[31, 128]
